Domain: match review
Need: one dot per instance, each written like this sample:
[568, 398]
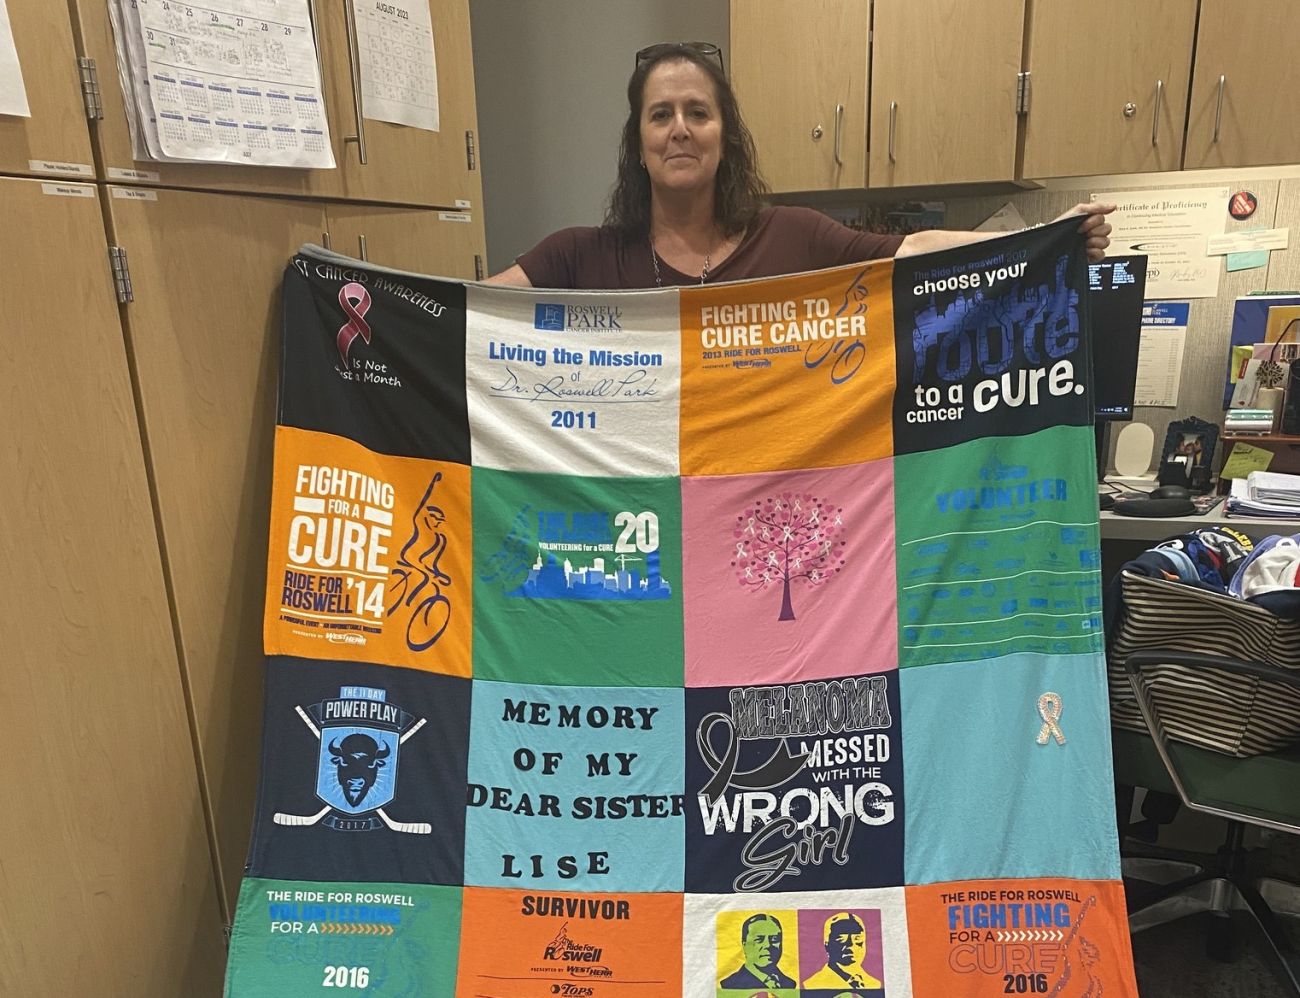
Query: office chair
[1261, 790]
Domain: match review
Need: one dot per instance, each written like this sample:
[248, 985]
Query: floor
[1171, 963]
[1171, 960]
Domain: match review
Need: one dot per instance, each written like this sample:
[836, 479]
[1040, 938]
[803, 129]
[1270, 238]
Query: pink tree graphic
[788, 538]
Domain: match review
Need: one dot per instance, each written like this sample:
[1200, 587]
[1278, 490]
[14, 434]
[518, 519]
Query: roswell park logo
[557, 317]
[360, 736]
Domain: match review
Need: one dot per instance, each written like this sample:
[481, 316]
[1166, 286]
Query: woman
[686, 207]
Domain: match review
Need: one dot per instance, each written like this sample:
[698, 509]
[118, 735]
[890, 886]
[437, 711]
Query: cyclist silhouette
[430, 618]
[848, 358]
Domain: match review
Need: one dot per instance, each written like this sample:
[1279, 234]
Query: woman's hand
[1094, 226]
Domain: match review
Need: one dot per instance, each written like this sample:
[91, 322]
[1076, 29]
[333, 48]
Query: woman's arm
[1094, 226]
[512, 276]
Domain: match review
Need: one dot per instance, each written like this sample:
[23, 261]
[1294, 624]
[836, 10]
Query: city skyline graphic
[553, 578]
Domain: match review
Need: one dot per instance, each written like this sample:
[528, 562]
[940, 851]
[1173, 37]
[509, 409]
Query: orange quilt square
[1067, 938]
[536, 945]
[796, 372]
[370, 556]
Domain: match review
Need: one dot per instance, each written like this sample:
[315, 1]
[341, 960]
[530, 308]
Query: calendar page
[235, 81]
[399, 71]
[132, 68]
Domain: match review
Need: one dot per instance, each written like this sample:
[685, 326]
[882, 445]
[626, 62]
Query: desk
[1153, 529]
[1123, 538]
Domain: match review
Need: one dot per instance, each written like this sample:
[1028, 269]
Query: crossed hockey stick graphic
[302, 820]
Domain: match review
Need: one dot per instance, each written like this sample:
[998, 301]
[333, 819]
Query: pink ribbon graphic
[356, 324]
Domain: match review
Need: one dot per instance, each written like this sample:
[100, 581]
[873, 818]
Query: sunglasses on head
[706, 49]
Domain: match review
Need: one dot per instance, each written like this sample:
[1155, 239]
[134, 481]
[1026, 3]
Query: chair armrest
[1241, 667]
[1152, 657]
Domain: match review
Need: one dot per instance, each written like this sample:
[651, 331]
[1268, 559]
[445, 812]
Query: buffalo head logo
[359, 759]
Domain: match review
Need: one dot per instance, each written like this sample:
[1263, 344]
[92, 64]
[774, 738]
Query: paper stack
[233, 81]
[1265, 494]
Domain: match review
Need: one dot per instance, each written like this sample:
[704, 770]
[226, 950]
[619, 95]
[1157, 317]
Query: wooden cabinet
[402, 165]
[135, 542]
[204, 333]
[406, 165]
[1111, 102]
[55, 140]
[799, 68]
[1245, 86]
[422, 240]
[943, 91]
[108, 883]
[943, 88]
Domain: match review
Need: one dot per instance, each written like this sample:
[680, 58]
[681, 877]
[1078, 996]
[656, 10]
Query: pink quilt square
[788, 575]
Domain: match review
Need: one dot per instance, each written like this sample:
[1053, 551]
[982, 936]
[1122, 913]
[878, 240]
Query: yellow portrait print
[757, 950]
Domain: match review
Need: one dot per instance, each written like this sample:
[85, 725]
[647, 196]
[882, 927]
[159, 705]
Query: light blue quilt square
[985, 797]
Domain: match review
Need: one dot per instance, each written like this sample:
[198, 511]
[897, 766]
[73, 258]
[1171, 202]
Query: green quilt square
[299, 937]
[997, 548]
[577, 580]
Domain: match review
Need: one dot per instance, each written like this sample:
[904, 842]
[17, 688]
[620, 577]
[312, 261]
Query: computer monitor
[1116, 287]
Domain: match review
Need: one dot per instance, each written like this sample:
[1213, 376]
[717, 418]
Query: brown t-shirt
[782, 240]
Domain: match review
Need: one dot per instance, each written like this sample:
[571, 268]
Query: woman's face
[681, 128]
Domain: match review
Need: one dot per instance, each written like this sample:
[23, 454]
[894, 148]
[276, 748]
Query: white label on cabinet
[133, 194]
[70, 169]
[462, 203]
[69, 190]
[117, 173]
[454, 216]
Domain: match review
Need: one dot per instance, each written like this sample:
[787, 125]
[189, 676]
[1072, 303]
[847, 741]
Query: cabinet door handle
[893, 118]
[354, 63]
[1155, 118]
[1218, 108]
[839, 134]
[361, 243]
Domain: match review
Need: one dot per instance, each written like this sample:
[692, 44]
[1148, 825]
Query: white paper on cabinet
[399, 69]
[1171, 227]
[235, 81]
[129, 47]
[13, 95]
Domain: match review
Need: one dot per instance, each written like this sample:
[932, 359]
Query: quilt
[732, 640]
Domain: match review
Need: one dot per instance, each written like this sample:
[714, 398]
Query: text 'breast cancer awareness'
[356, 324]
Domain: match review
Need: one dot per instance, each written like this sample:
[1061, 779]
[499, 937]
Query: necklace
[654, 259]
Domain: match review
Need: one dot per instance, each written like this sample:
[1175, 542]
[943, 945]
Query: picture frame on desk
[1188, 453]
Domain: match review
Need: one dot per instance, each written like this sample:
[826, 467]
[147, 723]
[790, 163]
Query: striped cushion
[1237, 715]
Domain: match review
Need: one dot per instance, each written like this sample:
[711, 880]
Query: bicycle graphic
[431, 616]
[848, 356]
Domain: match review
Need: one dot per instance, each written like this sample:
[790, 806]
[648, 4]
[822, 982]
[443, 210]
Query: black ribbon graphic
[780, 767]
